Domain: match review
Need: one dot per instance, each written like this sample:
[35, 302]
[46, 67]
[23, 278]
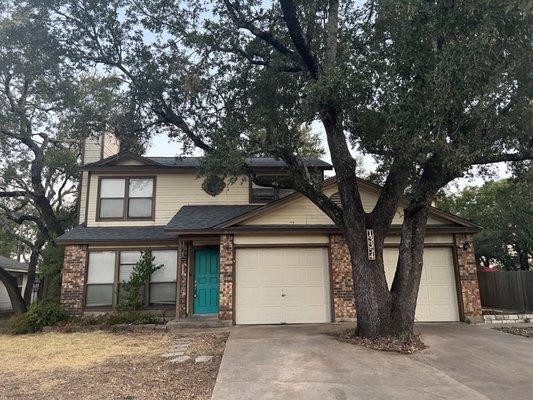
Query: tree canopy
[429, 89]
[505, 210]
[47, 106]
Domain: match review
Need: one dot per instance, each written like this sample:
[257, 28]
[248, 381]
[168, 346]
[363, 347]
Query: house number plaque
[370, 244]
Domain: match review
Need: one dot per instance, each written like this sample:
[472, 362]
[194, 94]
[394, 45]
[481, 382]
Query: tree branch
[298, 40]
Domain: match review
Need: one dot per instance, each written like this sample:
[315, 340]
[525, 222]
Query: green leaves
[505, 210]
[131, 292]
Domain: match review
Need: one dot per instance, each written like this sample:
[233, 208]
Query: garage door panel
[298, 314]
[441, 273]
[264, 274]
[437, 299]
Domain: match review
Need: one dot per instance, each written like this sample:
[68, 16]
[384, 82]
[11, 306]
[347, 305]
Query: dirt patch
[211, 344]
[516, 330]
[389, 343]
[100, 365]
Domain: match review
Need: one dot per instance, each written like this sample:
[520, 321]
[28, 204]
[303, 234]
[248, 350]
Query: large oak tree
[429, 88]
[47, 107]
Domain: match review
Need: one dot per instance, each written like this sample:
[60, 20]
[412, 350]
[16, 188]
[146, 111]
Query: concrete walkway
[303, 362]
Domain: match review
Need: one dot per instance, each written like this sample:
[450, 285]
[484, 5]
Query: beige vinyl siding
[172, 192]
[429, 239]
[128, 162]
[280, 239]
[111, 145]
[92, 150]
[83, 196]
[302, 211]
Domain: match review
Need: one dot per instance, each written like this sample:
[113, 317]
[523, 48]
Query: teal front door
[206, 282]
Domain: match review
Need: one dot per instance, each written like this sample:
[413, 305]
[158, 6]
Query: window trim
[126, 198]
[116, 279]
[255, 201]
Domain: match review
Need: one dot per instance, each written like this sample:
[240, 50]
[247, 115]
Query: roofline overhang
[65, 242]
[394, 229]
[102, 165]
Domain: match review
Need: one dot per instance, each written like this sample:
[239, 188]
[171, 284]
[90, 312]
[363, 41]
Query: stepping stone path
[202, 359]
[176, 353]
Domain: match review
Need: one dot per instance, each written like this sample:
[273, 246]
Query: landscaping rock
[173, 354]
[181, 359]
[202, 359]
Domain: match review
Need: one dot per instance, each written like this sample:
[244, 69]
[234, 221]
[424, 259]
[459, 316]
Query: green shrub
[129, 318]
[115, 318]
[131, 291]
[38, 315]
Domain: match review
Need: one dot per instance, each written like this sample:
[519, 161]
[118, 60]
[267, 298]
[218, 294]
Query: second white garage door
[282, 285]
[437, 296]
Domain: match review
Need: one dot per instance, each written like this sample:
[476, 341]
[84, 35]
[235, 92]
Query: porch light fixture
[466, 245]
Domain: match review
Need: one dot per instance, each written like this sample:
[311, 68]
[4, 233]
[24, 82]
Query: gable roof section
[192, 218]
[193, 162]
[364, 184]
[13, 265]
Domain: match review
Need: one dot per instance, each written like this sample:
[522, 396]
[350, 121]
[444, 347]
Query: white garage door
[437, 297]
[282, 285]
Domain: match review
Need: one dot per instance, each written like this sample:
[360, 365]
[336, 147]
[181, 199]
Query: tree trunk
[406, 281]
[523, 258]
[32, 266]
[372, 296]
[381, 312]
[10, 282]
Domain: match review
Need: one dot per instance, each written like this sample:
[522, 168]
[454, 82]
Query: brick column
[227, 266]
[73, 279]
[341, 278]
[181, 309]
[467, 269]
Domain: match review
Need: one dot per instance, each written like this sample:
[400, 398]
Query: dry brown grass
[101, 365]
[75, 350]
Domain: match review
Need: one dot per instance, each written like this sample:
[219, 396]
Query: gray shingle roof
[205, 217]
[82, 234]
[254, 162]
[9, 263]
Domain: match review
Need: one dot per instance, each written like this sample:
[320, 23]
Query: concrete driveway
[303, 362]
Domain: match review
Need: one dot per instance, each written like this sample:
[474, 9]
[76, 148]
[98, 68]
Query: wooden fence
[510, 290]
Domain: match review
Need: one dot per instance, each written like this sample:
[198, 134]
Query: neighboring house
[251, 255]
[18, 270]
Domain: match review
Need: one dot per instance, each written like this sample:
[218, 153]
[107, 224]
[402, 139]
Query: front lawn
[102, 365]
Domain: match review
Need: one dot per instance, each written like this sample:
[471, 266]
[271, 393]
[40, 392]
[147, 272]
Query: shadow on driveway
[303, 362]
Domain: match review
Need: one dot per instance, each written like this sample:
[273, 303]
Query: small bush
[38, 315]
[129, 318]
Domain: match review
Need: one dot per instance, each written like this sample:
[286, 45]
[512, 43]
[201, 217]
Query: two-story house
[251, 255]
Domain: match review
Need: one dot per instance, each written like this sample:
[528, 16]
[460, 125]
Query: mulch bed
[389, 343]
[516, 330]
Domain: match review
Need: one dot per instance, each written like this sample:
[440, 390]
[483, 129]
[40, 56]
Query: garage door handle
[283, 294]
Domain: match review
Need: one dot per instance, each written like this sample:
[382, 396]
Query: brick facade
[467, 271]
[341, 279]
[181, 309]
[73, 279]
[227, 268]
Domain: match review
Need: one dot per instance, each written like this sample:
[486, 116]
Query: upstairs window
[265, 194]
[126, 198]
